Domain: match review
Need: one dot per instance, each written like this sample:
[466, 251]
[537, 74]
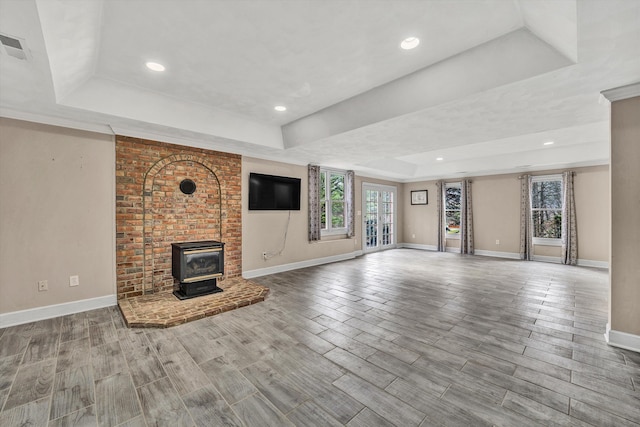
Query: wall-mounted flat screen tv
[269, 192]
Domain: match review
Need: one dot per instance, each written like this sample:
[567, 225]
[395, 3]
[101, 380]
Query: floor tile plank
[256, 411]
[539, 412]
[162, 406]
[208, 408]
[107, 359]
[597, 417]
[281, 392]
[368, 418]
[145, 367]
[12, 344]
[116, 399]
[35, 413]
[184, 373]
[437, 410]
[41, 346]
[8, 368]
[384, 404]
[73, 353]
[334, 401]
[228, 380]
[490, 412]
[32, 382]
[360, 367]
[72, 390]
[85, 417]
[310, 414]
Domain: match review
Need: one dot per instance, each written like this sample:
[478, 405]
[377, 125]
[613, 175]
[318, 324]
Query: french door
[379, 219]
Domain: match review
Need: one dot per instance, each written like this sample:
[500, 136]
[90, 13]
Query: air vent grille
[13, 46]
[10, 42]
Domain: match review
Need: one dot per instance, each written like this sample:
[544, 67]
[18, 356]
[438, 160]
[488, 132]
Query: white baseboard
[49, 311]
[494, 254]
[497, 254]
[592, 263]
[418, 246]
[508, 255]
[581, 262]
[551, 259]
[622, 339]
[300, 264]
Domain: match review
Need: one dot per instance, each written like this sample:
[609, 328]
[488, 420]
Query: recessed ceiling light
[439, 158]
[280, 108]
[154, 66]
[410, 43]
[549, 143]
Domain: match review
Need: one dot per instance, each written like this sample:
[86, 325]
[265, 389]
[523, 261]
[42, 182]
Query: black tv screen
[269, 192]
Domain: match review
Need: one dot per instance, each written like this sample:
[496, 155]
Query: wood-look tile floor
[401, 337]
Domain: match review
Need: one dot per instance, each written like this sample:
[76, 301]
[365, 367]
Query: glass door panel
[379, 217]
[387, 218]
[371, 219]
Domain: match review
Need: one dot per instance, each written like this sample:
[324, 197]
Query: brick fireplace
[152, 212]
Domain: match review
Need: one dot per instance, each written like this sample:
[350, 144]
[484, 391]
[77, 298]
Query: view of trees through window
[452, 194]
[331, 200]
[546, 208]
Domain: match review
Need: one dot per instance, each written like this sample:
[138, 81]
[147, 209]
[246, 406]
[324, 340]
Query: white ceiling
[490, 82]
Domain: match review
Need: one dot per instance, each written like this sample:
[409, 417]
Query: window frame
[328, 211]
[457, 184]
[545, 241]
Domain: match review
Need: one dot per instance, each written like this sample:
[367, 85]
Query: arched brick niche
[152, 212]
[173, 216]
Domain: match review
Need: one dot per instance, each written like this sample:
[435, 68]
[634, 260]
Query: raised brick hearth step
[163, 309]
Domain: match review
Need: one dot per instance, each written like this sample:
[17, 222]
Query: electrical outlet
[264, 256]
[43, 285]
[413, 236]
[74, 280]
[497, 242]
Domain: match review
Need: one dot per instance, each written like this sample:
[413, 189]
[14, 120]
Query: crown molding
[622, 92]
[10, 113]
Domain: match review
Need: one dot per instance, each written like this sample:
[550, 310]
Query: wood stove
[197, 265]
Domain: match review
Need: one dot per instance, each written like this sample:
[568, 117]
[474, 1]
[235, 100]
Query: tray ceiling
[490, 82]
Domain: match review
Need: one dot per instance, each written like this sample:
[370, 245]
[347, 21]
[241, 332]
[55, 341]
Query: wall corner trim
[47, 312]
[622, 339]
[297, 265]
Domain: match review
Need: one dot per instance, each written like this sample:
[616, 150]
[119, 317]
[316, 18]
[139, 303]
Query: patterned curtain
[314, 203]
[440, 214]
[466, 218]
[569, 229]
[349, 199]
[526, 235]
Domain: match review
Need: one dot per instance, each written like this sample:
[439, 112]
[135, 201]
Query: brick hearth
[163, 309]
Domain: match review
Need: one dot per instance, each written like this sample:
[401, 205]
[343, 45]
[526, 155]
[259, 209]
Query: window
[452, 193]
[332, 203]
[546, 209]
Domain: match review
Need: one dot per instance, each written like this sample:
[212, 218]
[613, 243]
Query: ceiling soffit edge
[510, 58]
[71, 32]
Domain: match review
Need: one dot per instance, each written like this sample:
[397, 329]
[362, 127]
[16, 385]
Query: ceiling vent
[13, 46]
